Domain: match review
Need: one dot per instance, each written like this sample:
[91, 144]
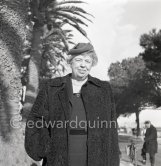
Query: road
[125, 160]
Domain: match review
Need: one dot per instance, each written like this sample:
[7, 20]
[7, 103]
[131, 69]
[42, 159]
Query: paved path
[123, 163]
[125, 160]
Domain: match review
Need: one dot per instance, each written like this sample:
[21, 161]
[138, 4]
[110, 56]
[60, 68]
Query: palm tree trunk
[34, 69]
[138, 123]
[13, 33]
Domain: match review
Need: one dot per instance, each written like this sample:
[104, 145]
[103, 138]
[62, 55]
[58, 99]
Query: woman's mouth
[82, 71]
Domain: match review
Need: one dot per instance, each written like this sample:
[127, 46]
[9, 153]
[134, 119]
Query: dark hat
[81, 48]
[147, 122]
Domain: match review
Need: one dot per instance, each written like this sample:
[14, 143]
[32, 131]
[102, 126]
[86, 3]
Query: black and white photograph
[80, 82]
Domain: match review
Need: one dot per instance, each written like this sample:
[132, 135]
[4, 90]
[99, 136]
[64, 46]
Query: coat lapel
[65, 104]
[65, 96]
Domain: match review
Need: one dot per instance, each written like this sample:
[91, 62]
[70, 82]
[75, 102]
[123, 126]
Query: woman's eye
[88, 61]
[78, 59]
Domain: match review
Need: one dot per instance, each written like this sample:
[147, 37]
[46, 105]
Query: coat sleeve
[37, 138]
[114, 152]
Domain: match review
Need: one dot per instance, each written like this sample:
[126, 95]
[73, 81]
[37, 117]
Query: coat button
[78, 94]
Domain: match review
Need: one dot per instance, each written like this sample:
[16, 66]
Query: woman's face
[81, 66]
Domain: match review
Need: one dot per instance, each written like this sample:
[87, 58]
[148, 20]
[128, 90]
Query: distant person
[132, 152]
[150, 145]
[143, 152]
[134, 131]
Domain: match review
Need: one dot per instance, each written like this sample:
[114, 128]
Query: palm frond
[60, 14]
[77, 27]
[51, 32]
[44, 3]
[71, 42]
[70, 35]
[62, 57]
[75, 13]
[81, 30]
[63, 38]
[12, 3]
[69, 38]
[72, 8]
[71, 18]
[63, 69]
[67, 2]
[67, 31]
[56, 45]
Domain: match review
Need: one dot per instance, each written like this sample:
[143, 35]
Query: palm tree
[54, 56]
[13, 35]
[49, 17]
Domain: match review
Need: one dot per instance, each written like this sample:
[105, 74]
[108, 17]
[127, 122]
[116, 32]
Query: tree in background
[131, 85]
[151, 44]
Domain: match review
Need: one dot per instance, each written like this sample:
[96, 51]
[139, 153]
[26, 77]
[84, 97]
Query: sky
[148, 114]
[116, 29]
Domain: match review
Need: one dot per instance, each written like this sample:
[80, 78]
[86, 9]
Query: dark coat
[151, 140]
[53, 104]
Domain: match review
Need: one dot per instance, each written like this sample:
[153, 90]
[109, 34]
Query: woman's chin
[82, 76]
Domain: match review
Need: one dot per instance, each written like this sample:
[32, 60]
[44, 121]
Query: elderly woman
[73, 121]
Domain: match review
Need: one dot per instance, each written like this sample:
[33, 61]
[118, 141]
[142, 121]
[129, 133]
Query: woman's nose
[83, 63]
